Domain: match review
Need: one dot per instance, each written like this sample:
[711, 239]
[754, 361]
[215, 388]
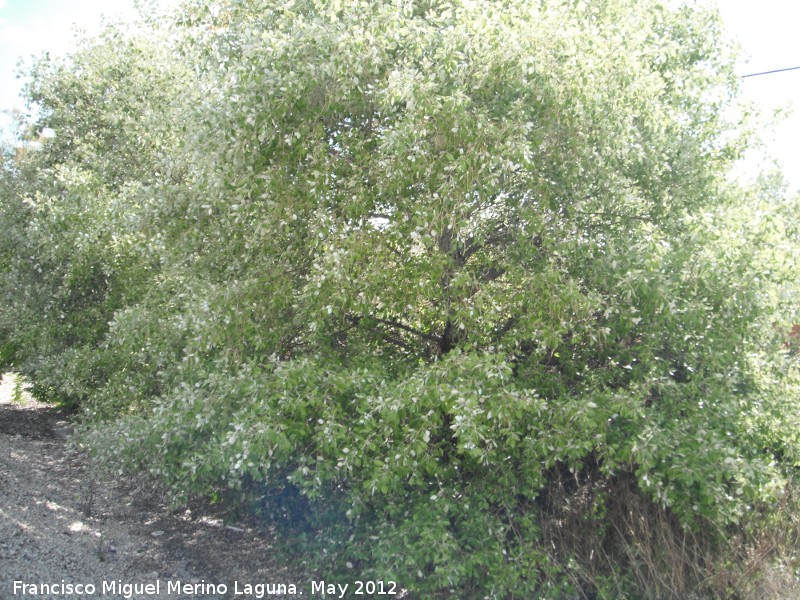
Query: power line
[770, 72]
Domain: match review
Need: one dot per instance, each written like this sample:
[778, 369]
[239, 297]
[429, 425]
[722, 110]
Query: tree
[76, 206]
[449, 289]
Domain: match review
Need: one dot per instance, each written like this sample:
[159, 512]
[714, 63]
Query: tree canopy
[459, 293]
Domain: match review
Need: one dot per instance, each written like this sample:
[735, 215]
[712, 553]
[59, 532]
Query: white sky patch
[25, 33]
[767, 32]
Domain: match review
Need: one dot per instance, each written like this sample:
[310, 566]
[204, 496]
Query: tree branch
[492, 273]
[355, 320]
[393, 339]
[409, 329]
[497, 234]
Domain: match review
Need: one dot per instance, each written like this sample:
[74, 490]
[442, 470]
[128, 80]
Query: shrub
[458, 293]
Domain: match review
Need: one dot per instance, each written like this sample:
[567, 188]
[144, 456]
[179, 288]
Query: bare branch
[393, 339]
[498, 234]
[492, 273]
[355, 320]
[409, 329]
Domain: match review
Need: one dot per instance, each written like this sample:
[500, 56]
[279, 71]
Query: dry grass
[764, 563]
[603, 527]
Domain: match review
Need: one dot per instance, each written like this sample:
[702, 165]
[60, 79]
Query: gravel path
[62, 524]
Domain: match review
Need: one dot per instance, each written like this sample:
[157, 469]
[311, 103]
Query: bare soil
[64, 523]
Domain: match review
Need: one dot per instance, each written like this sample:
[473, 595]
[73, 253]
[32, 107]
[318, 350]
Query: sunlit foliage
[448, 289]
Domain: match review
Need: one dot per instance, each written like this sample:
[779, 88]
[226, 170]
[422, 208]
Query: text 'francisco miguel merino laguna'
[155, 588]
[203, 588]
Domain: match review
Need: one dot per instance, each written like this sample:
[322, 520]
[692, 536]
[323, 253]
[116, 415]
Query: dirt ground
[63, 524]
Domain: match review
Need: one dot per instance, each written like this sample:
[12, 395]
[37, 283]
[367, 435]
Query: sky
[29, 27]
[766, 30]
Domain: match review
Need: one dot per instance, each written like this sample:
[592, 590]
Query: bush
[458, 293]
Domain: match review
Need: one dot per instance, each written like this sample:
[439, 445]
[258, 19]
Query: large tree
[458, 291]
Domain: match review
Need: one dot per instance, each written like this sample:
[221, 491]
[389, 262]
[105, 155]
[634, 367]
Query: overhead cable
[770, 72]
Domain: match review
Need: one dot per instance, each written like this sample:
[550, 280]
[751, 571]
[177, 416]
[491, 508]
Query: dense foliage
[457, 292]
